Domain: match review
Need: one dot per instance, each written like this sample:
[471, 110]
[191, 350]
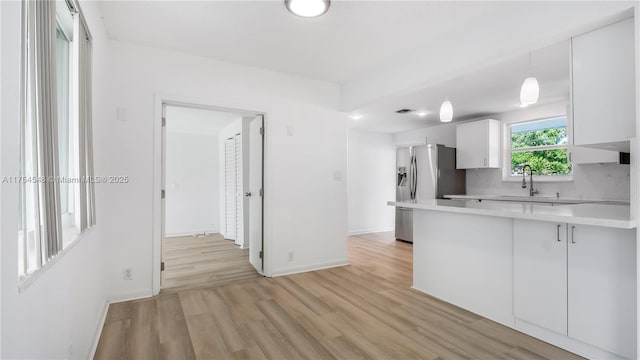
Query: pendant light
[446, 111]
[307, 8]
[530, 90]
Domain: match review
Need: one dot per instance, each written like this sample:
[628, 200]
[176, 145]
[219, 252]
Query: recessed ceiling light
[355, 116]
[307, 8]
[422, 113]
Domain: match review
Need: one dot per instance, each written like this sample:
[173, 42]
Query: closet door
[230, 189]
[238, 182]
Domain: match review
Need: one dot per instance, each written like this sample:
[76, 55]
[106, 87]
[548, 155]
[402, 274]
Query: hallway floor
[203, 261]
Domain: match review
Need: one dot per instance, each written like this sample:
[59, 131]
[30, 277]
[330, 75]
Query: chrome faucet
[532, 191]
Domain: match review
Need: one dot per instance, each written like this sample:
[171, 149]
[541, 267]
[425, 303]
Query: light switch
[121, 114]
[289, 130]
[337, 175]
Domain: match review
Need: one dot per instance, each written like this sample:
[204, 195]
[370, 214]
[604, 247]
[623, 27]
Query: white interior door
[255, 193]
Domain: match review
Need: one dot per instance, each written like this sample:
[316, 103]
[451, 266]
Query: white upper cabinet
[603, 86]
[478, 144]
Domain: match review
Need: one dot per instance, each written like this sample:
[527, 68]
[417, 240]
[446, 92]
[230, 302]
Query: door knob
[247, 194]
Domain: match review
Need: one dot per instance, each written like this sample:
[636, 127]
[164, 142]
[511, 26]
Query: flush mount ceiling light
[307, 8]
[355, 116]
[446, 111]
[530, 90]
[422, 113]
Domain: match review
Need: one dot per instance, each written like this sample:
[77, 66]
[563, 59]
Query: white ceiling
[370, 46]
[492, 90]
[353, 38]
[198, 121]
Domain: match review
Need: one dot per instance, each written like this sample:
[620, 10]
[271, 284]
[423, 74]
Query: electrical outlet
[290, 255]
[127, 274]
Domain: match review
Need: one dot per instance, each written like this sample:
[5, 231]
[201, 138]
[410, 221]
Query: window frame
[507, 150]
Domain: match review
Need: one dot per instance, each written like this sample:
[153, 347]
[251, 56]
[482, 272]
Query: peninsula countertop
[607, 215]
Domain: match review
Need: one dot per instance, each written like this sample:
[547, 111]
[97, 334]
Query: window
[67, 127]
[541, 144]
[55, 195]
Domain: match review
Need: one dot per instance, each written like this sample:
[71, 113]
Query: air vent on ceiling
[404, 111]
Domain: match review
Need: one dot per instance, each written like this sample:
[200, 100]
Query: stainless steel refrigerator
[423, 173]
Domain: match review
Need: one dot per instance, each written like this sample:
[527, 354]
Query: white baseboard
[131, 295]
[307, 268]
[192, 232]
[370, 231]
[98, 331]
[565, 342]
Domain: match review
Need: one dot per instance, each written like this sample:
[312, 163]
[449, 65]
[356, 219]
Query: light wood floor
[366, 310]
[203, 261]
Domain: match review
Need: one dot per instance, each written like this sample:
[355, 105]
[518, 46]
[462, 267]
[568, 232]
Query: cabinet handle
[558, 233]
[573, 237]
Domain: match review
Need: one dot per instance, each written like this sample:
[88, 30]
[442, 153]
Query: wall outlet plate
[127, 274]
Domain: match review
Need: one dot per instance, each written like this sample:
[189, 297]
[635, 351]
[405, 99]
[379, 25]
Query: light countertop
[538, 199]
[597, 214]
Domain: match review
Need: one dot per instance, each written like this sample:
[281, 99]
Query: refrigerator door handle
[414, 177]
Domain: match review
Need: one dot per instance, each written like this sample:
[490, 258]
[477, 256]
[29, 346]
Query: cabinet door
[471, 143]
[540, 274]
[603, 86]
[602, 288]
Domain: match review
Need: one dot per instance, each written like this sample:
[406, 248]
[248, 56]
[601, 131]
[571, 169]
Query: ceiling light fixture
[422, 113]
[355, 116]
[446, 111]
[530, 90]
[307, 8]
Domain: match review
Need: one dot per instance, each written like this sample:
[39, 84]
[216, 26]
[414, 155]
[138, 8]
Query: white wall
[57, 315]
[305, 208]
[193, 200]
[444, 134]
[370, 182]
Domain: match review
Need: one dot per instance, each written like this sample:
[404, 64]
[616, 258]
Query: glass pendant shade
[530, 91]
[446, 111]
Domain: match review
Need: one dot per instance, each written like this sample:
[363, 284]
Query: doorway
[212, 196]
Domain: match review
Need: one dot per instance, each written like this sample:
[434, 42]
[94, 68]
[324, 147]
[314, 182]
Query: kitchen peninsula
[564, 273]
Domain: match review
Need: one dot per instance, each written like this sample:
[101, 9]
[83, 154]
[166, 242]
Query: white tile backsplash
[592, 181]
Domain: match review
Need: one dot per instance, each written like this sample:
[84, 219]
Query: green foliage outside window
[543, 162]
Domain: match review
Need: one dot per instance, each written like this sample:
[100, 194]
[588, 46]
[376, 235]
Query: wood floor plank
[363, 311]
[193, 262]
[206, 337]
[305, 344]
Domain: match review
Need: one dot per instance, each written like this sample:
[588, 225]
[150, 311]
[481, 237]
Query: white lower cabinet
[602, 288]
[578, 281]
[540, 274]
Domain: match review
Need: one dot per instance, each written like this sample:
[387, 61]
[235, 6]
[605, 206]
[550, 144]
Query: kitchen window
[543, 144]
